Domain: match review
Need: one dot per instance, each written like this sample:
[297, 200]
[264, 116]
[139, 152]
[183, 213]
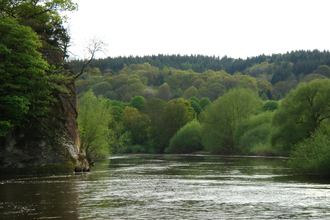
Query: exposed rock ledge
[51, 140]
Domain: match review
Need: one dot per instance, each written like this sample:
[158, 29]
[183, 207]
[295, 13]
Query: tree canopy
[94, 121]
[42, 16]
[301, 113]
[27, 82]
[25, 88]
[223, 116]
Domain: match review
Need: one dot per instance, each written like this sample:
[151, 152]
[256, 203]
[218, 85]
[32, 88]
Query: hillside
[173, 76]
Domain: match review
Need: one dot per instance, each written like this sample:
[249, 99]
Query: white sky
[236, 28]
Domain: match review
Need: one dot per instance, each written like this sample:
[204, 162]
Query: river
[170, 187]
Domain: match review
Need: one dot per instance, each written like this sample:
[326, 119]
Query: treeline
[238, 122]
[295, 63]
[169, 83]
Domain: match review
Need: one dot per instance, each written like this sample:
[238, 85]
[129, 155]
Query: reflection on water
[170, 187]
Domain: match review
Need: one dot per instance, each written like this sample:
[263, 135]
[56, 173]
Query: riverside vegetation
[264, 105]
[242, 116]
[38, 103]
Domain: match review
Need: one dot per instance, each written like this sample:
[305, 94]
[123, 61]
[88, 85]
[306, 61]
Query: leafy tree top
[42, 16]
[25, 88]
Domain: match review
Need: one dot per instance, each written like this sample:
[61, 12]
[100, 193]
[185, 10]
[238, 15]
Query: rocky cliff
[49, 140]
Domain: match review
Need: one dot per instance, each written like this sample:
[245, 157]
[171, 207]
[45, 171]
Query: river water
[170, 187]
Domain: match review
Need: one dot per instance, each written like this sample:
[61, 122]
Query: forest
[268, 108]
[269, 105]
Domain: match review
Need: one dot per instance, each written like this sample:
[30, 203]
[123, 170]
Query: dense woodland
[176, 76]
[264, 105]
[267, 105]
[282, 65]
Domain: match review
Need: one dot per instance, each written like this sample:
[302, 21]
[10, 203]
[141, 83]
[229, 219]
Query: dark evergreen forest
[284, 65]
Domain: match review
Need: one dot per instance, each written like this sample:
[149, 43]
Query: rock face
[50, 140]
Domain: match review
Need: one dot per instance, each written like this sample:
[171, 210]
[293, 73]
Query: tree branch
[94, 46]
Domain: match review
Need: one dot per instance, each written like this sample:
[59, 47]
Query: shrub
[253, 131]
[270, 106]
[312, 155]
[187, 140]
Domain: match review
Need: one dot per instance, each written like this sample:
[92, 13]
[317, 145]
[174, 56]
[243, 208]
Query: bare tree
[95, 45]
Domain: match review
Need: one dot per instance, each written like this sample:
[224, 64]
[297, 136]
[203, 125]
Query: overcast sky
[236, 28]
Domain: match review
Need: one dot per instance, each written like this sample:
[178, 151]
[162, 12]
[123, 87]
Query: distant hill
[121, 78]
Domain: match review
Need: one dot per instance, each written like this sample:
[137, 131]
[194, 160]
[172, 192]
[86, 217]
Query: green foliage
[270, 106]
[43, 17]
[177, 113]
[204, 103]
[274, 68]
[138, 124]
[188, 139]
[137, 102]
[279, 97]
[223, 116]
[253, 133]
[101, 88]
[25, 86]
[93, 120]
[95, 72]
[195, 105]
[124, 145]
[194, 98]
[173, 82]
[190, 92]
[164, 92]
[154, 108]
[116, 103]
[323, 70]
[312, 155]
[301, 113]
[264, 97]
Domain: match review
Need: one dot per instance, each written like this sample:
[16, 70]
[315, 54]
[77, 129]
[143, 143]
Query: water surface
[170, 187]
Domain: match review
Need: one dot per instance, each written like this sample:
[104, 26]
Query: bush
[270, 106]
[253, 131]
[187, 140]
[312, 155]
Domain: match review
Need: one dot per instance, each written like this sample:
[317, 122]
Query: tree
[177, 113]
[195, 105]
[187, 140]
[137, 102]
[204, 103]
[190, 92]
[26, 83]
[264, 97]
[301, 113]
[43, 17]
[164, 92]
[138, 124]
[101, 88]
[154, 108]
[223, 116]
[93, 121]
[95, 45]
[253, 132]
[270, 106]
[323, 70]
[279, 97]
[135, 89]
